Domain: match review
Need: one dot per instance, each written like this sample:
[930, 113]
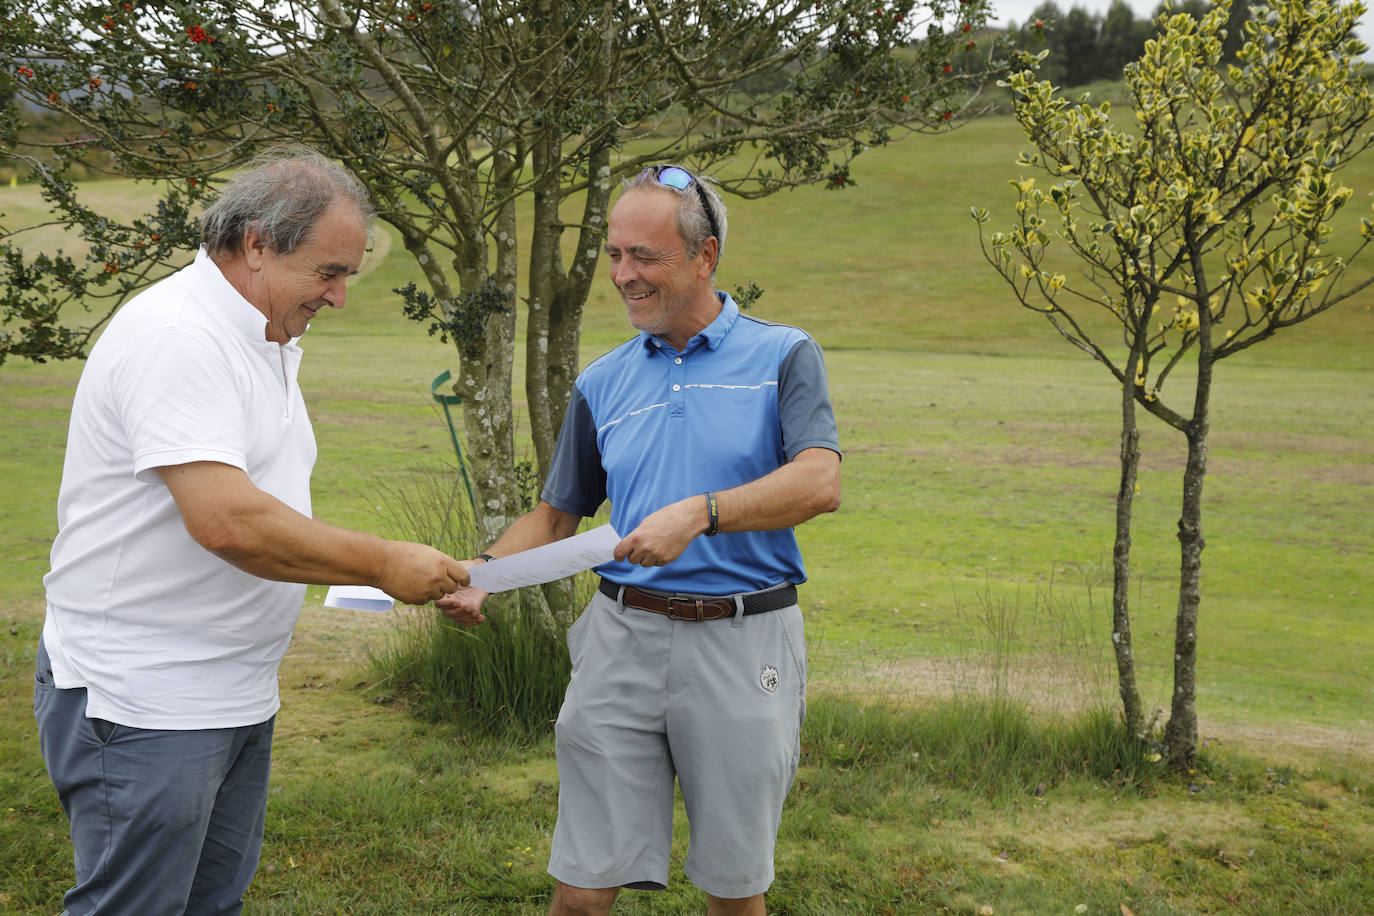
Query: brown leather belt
[702, 607]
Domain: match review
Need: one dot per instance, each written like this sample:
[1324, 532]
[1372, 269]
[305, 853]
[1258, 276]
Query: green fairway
[975, 536]
[980, 448]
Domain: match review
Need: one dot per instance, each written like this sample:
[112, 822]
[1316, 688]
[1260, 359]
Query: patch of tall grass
[988, 745]
[1001, 720]
[505, 677]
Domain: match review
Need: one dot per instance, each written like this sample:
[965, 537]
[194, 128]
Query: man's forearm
[542, 525]
[805, 487]
[229, 516]
[801, 489]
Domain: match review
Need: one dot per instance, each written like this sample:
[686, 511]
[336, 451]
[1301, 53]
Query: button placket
[677, 386]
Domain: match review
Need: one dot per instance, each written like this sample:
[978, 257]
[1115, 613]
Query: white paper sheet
[358, 598]
[547, 563]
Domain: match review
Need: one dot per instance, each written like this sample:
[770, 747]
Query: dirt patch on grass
[1055, 685]
[333, 644]
[376, 255]
[1291, 742]
[1047, 683]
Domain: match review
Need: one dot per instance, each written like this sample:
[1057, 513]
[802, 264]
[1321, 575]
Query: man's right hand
[418, 574]
[464, 605]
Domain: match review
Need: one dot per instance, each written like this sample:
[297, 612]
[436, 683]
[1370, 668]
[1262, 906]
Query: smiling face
[291, 288]
[665, 292]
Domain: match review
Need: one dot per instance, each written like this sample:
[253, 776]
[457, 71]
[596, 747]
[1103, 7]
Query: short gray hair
[285, 190]
[692, 223]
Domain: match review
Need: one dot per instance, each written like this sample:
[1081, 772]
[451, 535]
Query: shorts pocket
[42, 669]
[575, 636]
[790, 622]
[42, 679]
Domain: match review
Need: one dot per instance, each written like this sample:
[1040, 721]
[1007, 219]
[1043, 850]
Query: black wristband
[713, 511]
[485, 556]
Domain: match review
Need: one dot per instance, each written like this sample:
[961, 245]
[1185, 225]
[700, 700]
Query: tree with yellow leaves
[1199, 229]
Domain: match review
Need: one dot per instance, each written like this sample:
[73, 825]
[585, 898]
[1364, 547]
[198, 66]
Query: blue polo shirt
[647, 426]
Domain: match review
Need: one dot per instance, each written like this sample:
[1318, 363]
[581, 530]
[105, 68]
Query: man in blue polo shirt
[712, 435]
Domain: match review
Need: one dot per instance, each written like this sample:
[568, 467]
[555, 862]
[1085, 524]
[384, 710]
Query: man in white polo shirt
[185, 535]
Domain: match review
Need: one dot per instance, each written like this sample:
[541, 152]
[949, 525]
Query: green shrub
[504, 677]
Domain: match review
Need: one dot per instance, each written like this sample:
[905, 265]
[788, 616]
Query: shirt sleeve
[804, 411]
[577, 480]
[178, 403]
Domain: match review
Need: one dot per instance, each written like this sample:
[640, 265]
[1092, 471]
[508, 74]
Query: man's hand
[464, 605]
[418, 574]
[663, 536]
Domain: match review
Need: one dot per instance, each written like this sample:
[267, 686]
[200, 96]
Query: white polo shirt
[161, 632]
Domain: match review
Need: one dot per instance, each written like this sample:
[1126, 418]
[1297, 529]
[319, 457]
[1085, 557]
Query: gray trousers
[163, 822]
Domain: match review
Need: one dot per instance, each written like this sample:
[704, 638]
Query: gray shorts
[716, 704]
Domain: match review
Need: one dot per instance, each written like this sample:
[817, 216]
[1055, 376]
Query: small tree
[1199, 228]
[451, 111]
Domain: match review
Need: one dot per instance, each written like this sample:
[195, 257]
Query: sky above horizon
[1019, 11]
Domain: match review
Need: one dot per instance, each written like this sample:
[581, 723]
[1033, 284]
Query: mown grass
[957, 608]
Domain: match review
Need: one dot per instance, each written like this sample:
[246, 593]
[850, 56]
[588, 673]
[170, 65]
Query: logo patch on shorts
[768, 678]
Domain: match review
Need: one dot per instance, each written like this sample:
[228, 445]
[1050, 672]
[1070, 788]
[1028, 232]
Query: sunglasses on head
[680, 179]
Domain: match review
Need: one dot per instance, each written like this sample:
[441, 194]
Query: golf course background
[963, 589]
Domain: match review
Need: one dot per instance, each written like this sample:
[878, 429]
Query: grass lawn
[971, 556]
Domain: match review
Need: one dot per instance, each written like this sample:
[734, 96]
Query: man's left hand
[663, 536]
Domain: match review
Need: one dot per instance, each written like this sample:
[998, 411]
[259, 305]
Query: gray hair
[285, 190]
[692, 223]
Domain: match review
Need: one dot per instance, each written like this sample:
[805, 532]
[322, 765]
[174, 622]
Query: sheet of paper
[358, 598]
[547, 563]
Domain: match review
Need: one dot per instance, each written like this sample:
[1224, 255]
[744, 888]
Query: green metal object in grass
[444, 401]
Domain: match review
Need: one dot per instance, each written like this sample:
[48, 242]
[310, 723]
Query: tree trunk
[1121, 556]
[485, 384]
[545, 273]
[1180, 736]
[564, 327]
